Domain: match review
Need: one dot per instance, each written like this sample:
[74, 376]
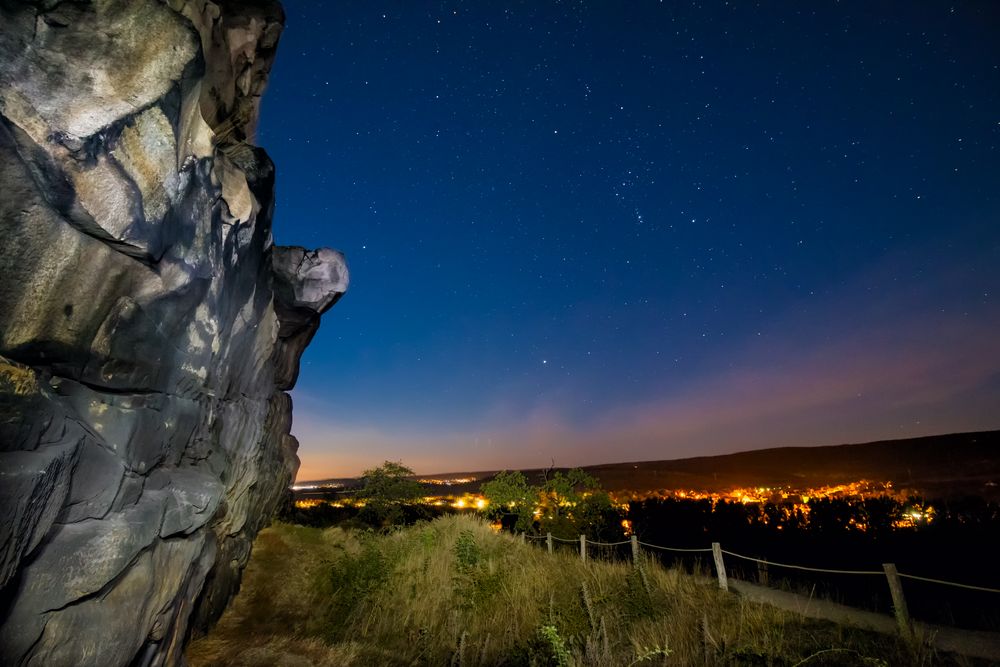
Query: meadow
[453, 591]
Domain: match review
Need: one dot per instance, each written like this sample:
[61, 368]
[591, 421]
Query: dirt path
[970, 643]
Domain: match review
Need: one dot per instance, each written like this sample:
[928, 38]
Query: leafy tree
[386, 490]
[573, 503]
[510, 500]
[596, 516]
[566, 490]
[569, 503]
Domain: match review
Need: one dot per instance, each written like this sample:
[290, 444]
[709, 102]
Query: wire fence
[888, 570]
[657, 546]
[608, 544]
[762, 561]
[985, 589]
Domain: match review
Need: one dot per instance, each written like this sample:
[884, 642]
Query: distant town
[776, 504]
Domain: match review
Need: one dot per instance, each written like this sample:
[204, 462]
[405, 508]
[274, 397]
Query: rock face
[148, 326]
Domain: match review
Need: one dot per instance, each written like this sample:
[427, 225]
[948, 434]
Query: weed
[585, 594]
[428, 537]
[553, 649]
[649, 652]
[355, 577]
[466, 552]
[840, 652]
[636, 597]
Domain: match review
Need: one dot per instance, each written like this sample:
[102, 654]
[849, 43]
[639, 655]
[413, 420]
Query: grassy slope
[453, 592]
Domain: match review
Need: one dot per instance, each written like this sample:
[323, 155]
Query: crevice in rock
[106, 587]
[57, 192]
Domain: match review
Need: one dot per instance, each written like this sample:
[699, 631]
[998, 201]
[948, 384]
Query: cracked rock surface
[149, 328]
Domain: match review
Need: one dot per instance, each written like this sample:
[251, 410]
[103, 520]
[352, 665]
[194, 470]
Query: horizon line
[685, 458]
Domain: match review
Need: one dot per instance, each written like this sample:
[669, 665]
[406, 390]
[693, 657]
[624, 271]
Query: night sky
[609, 231]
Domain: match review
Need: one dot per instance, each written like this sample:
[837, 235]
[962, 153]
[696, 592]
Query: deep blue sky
[611, 231]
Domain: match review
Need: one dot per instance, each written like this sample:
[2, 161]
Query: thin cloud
[835, 372]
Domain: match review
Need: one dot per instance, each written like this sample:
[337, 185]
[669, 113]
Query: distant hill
[946, 464]
[937, 465]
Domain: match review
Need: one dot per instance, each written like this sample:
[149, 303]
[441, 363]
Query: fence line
[763, 561]
[889, 571]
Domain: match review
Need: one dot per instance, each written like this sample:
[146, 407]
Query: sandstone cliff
[148, 326]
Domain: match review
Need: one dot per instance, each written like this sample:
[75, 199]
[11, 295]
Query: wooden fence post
[762, 574]
[522, 538]
[635, 550]
[898, 601]
[583, 547]
[548, 541]
[720, 566]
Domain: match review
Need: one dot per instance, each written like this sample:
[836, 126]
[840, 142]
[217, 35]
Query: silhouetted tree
[386, 490]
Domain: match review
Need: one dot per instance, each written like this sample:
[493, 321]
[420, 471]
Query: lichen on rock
[148, 326]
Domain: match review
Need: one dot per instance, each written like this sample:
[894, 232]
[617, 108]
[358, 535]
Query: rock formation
[148, 326]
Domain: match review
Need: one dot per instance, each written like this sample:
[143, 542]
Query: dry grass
[17, 379]
[452, 592]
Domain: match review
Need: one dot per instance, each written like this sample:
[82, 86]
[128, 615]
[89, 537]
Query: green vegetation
[566, 504]
[453, 592]
[387, 489]
[510, 499]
